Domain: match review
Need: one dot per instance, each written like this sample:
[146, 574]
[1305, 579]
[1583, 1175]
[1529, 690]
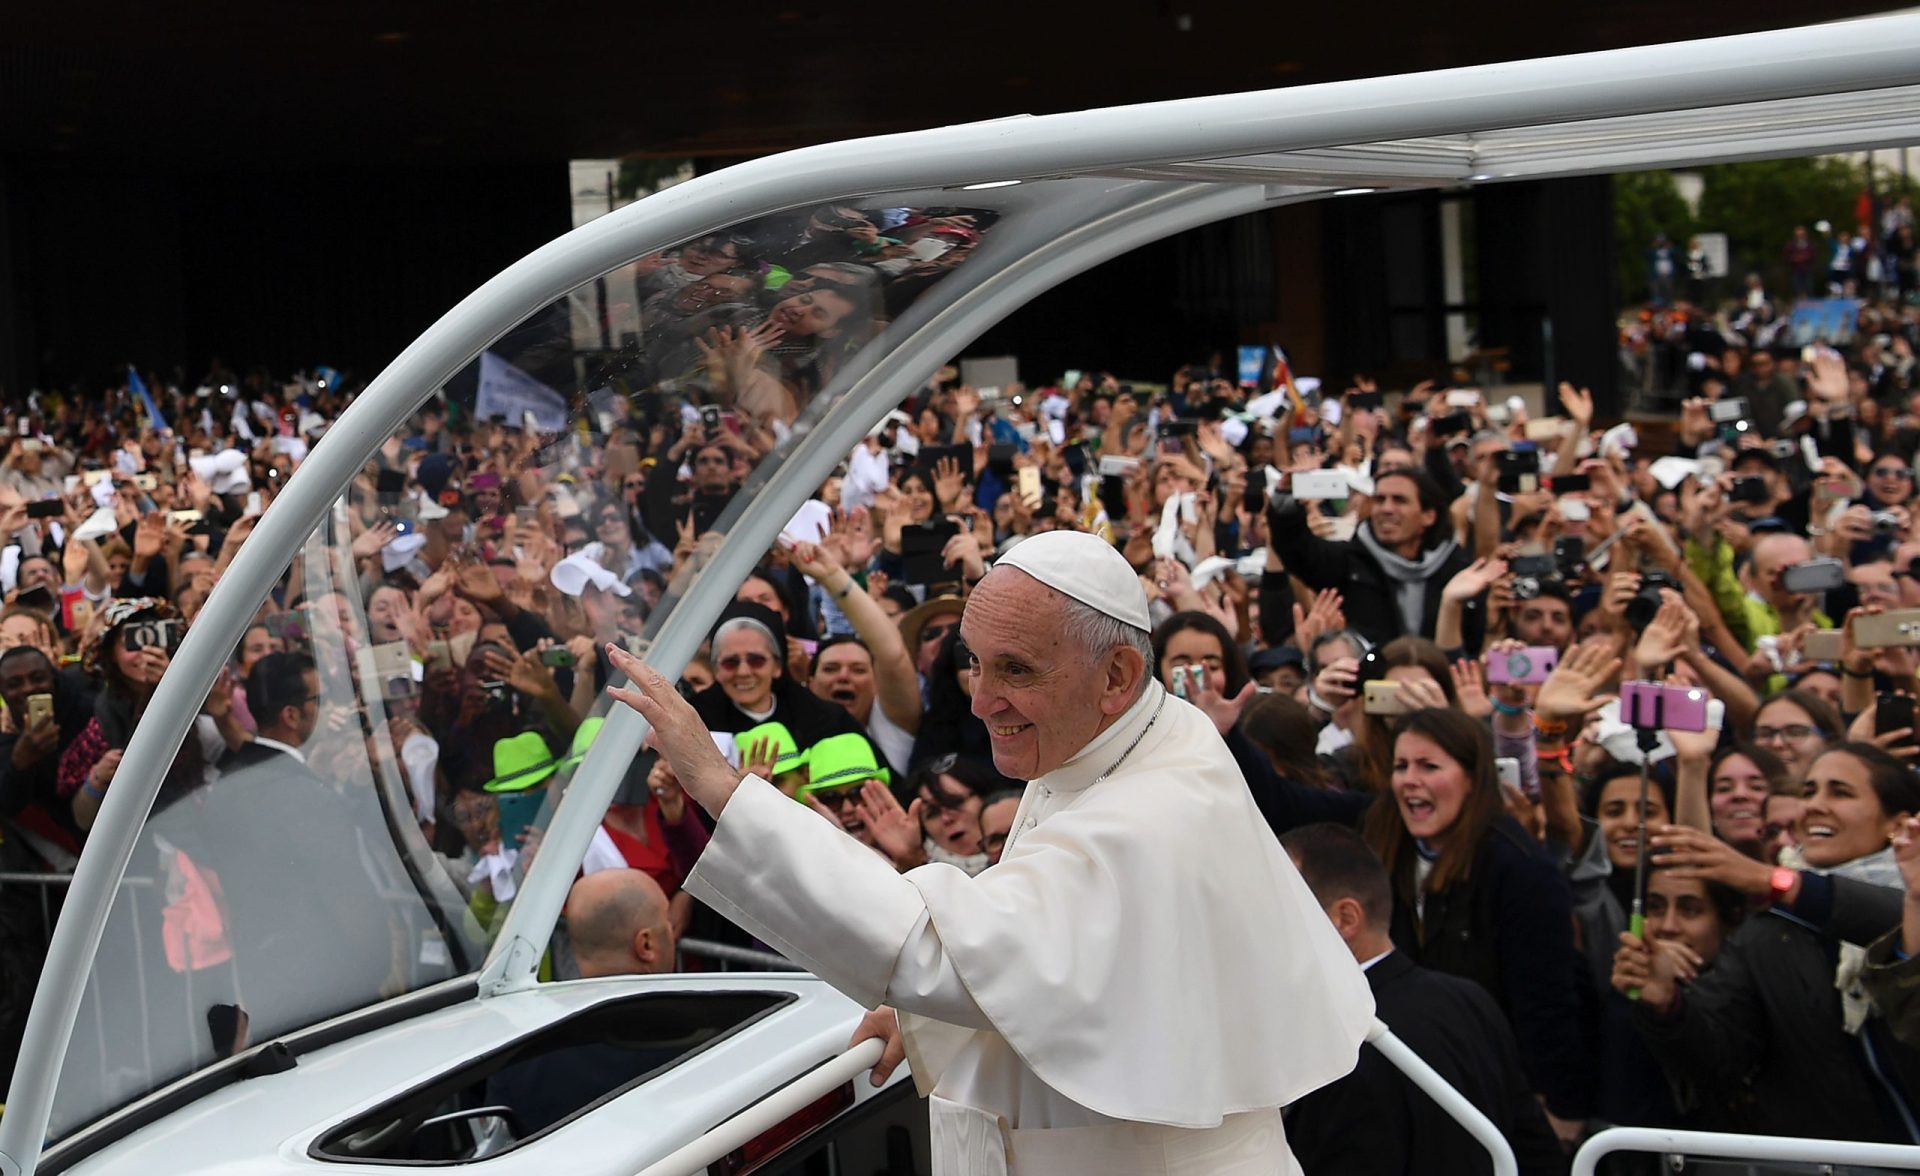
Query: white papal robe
[1137, 987]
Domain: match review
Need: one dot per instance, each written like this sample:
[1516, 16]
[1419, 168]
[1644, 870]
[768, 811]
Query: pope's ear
[1125, 669]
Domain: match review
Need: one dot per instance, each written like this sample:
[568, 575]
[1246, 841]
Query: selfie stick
[1648, 738]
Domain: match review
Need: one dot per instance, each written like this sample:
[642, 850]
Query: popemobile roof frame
[1136, 174]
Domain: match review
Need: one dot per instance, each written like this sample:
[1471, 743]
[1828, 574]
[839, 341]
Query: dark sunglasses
[835, 798]
[757, 661]
[1901, 472]
[937, 632]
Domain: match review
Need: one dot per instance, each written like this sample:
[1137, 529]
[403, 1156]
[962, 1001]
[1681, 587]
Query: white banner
[508, 392]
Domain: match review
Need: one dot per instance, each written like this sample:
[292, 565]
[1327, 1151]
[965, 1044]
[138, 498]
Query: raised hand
[949, 483]
[1571, 691]
[1469, 582]
[678, 732]
[1665, 640]
[894, 829]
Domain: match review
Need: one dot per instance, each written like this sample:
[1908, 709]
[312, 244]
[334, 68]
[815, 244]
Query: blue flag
[139, 387]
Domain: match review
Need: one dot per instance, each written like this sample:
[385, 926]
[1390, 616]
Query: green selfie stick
[1648, 738]
[1637, 924]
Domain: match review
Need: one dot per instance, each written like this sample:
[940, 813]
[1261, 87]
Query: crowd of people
[1423, 620]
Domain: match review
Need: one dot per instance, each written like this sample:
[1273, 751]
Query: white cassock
[1137, 987]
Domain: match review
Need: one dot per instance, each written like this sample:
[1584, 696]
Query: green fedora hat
[840, 760]
[788, 756]
[520, 762]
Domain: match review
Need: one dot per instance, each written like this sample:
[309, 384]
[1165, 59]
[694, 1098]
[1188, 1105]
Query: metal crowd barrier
[726, 953]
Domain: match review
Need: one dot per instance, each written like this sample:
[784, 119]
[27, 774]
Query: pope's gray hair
[749, 625]
[1097, 633]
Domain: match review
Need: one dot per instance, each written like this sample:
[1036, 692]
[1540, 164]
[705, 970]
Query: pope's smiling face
[1037, 691]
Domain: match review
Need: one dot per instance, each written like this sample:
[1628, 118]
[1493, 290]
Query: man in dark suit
[308, 922]
[1375, 1121]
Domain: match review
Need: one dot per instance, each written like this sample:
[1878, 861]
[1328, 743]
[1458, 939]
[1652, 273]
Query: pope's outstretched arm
[793, 880]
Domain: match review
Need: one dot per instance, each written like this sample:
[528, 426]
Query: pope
[1140, 983]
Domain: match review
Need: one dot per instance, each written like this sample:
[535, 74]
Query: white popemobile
[148, 1050]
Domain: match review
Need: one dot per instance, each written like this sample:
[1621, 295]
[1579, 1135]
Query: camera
[1531, 573]
[1645, 604]
[159, 634]
[1885, 522]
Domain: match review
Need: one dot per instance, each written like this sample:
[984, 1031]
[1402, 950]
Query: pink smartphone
[1521, 667]
[1672, 708]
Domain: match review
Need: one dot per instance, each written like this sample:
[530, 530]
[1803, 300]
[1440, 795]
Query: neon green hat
[840, 760]
[583, 737]
[520, 762]
[787, 753]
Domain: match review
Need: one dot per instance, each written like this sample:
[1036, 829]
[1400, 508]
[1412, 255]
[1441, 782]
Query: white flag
[508, 392]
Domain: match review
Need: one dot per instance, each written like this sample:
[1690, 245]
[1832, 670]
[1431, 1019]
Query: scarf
[1409, 576]
[1875, 869]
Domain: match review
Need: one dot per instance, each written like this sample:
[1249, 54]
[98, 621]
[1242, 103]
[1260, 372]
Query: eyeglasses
[710, 459]
[835, 798]
[1901, 472]
[937, 632]
[755, 661]
[1791, 733]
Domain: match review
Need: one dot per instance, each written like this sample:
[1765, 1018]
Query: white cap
[1086, 568]
[399, 552]
[572, 574]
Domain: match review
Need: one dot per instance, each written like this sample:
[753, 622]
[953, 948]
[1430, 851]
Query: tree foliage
[1645, 204]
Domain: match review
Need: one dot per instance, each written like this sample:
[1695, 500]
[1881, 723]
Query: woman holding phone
[1784, 1000]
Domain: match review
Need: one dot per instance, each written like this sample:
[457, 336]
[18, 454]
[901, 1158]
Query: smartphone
[40, 708]
[1364, 401]
[1815, 575]
[146, 482]
[1029, 483]
[1570, 483]
[1521, 667]
[920, 548]
[46, 508]
[389, 484]
[1519, 471]
[557, 657]
[439, 656]
[1724, 412]
[1821, 645]
[1546, 428]
[1303, 435]
[1117, 466]
[1672, 708]
[1750, 489]
[517, 811]
[710, 421]
[1537, 567]
[1575, 510]
[1880, 630]
[1569, 555]
[24, 426]
[1320, 485]
[1189, 681]
[931, 455]
[1462, 398]
[1507, 770]
[526, 516]
[184, 516]
[1893, 712]
[1380, 697]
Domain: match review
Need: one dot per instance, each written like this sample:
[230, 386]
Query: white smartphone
[1320, 484]
[1463, 398]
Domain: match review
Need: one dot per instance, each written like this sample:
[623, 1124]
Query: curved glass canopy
[787, 304]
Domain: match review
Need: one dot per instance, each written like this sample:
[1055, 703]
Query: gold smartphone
[1899, 627]
[39, 709]
[1821, 645]
[1380, 698]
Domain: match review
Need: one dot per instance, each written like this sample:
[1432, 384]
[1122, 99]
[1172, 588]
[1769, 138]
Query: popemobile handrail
[1783, 1149]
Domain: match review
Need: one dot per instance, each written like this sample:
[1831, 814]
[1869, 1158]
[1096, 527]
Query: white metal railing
[1442, 1092]
[1781, 1149]
[694, 1156]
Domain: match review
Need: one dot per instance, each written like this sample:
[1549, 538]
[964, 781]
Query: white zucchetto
[1086, 568]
